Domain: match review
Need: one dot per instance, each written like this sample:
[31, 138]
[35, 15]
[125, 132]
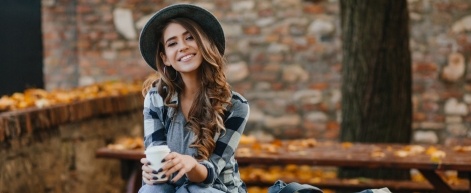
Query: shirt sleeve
[211, 173]
[154, 130]
[228, 141]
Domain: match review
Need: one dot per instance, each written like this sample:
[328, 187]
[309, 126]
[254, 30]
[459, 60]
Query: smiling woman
[189, 107]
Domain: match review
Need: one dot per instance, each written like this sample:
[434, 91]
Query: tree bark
[376, 72]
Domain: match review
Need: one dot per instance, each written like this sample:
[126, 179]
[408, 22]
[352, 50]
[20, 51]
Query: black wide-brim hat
[150, 37]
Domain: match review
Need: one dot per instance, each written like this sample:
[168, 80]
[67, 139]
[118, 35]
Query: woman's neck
[189, 93]
[192, 86]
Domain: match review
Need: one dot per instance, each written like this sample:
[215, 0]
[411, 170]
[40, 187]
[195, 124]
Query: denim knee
[193, 188]
[159, 188]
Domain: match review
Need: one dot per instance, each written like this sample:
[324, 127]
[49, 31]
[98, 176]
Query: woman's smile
[186, 58]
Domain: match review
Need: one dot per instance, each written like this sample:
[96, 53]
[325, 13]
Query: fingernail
[159, 170]
[155, 178]
[171, 181]
[154, 172]
[163, 176]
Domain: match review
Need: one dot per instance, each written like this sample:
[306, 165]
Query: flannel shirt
[223, 171]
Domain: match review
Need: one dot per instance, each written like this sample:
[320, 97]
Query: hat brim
[148, 38]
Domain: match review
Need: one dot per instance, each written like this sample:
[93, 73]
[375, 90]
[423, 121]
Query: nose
[183, 46]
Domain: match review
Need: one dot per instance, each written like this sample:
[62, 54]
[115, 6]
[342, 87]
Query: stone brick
[294, 73]
[453, 119]
[424, 68]
[333, 131]
[277, 86]
[292, 133]
[319, 86]
[453, 141]
[455, 67]
[110, 36]
[287, 121]
[427, 137]
[418, 117]
[432, 125]
[462, 25]
[237, 71]
[313, 9]
[82, 9]
[251, 30]
[242, 6]
[453, 107]
[430, 106]
[457, 130]
[304, 97]
[124, 23]
[321, 27]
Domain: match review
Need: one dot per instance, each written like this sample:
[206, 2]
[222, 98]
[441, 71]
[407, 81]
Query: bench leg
[131, 172]
[469, 181]
[436, 181]
[135, 181]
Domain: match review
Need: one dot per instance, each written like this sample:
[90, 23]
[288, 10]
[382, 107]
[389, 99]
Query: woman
[190, 107]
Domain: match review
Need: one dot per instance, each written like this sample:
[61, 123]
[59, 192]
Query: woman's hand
[149, 176]
[175, 162]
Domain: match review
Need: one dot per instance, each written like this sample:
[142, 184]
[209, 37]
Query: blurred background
[284, 56]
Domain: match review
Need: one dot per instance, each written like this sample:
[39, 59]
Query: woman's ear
[164, 59]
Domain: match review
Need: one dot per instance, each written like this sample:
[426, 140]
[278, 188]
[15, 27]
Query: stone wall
[284, 57]
[59, 156]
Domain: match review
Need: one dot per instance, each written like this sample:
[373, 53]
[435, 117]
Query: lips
[186, 57]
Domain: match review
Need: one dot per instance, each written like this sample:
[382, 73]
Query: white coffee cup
[155, 155]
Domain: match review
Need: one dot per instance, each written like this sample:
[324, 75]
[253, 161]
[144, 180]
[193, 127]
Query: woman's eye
[171, 44]
[189, 37]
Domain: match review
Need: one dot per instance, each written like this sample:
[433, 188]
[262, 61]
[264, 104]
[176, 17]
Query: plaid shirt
[223, 172]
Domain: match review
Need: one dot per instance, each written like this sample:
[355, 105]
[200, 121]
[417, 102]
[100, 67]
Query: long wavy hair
[205, 117]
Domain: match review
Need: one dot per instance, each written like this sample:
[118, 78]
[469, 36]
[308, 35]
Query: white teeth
[186, 58]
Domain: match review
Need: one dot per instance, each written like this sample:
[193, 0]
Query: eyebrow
[174, 37]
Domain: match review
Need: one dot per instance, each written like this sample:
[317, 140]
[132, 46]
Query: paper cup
[155, 155]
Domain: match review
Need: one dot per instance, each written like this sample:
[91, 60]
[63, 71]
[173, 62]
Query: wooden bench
[338, 155]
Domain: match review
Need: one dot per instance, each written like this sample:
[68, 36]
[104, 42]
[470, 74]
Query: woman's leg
[159, 188]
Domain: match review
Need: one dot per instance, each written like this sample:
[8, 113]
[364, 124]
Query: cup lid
[157, 148]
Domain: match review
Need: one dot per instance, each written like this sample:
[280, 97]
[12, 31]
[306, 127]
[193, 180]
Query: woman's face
[181, 49]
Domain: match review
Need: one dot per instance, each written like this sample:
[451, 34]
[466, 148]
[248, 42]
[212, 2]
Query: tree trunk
[376, 72]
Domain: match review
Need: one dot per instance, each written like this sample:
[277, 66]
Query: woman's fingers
[170, 156]
[145, 178]
[146, 175]
[171, 160]
[170, 166]
[144, 161]
[181, 164]
[178, 176]
[147, 169]
[149, 175]
[151, 179]
[175, 163]
[175, 168]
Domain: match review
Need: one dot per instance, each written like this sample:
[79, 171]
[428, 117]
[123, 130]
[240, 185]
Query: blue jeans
[168, 188]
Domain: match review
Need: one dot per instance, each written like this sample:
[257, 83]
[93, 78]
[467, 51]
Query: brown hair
[205, 117]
